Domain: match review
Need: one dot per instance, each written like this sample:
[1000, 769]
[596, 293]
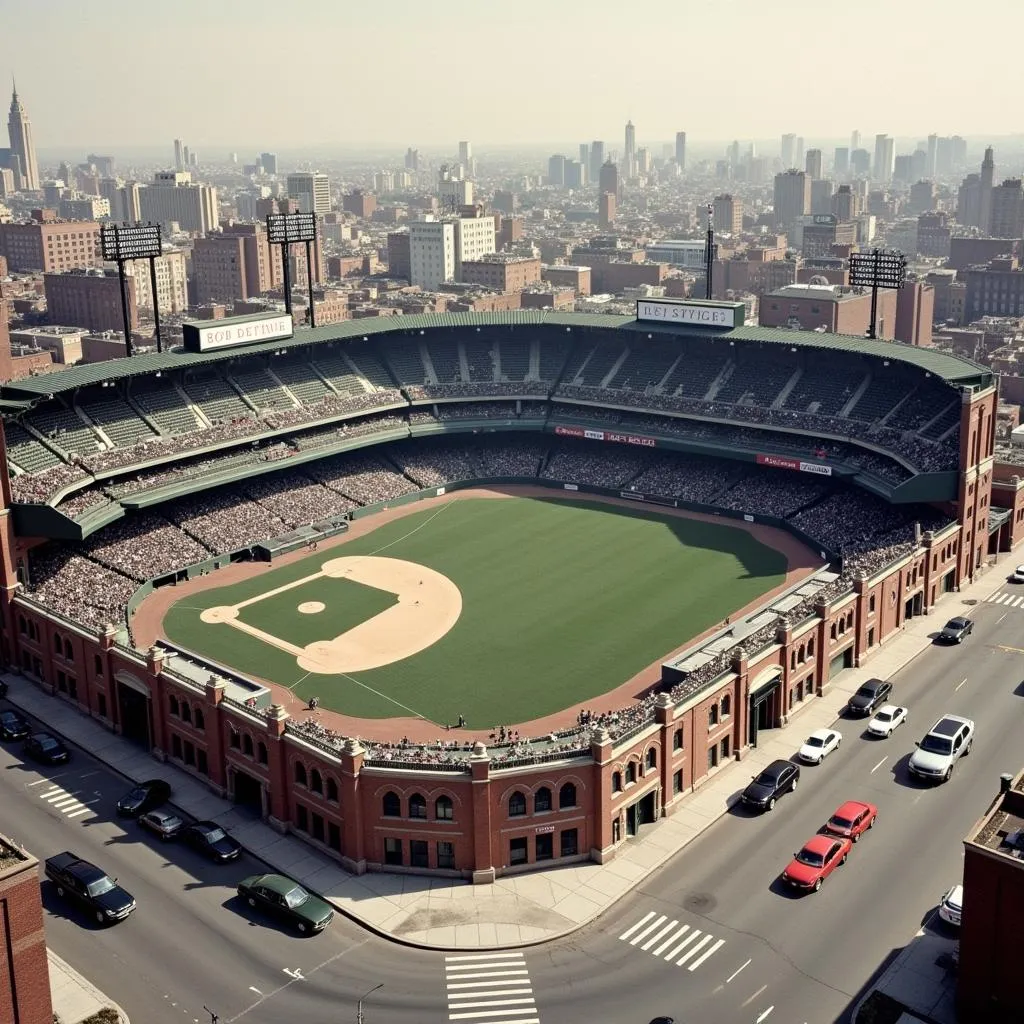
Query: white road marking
[646, 931]
[1001, 598]
[672, 938]
[737, 971]
[253, 988]
[489, 1003]
[493, 974]
[754, 996]
[485, 984]
[296, 973]
[879, 765]
[67, 803]
[78, 814]
[506, 961]
[1001, 617]
[693, 950]
[524, 989]
[689, 938]
[503, 996]
[708, 953]
[961, 683]
[643, 920]
[489, 956]
[764, 1016]
[659, 935]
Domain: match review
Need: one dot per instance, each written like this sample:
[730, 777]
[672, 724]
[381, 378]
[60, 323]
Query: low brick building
[574, 277]
[504, 272]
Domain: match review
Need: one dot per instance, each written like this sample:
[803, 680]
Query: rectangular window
[677, 739]
[677, 782]
[517, 851]
[333, 836]
[725, 749]
[446, 856]
[712, 757]
[201, 762]
[418, 856]
[569, 843]
[101, 704]
[318, 828]
[301, 818]
[545, 846]
[393, 852]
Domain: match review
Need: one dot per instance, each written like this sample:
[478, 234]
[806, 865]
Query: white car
[1018, 575]
[951, 906]
[819, 745]
[887, 720]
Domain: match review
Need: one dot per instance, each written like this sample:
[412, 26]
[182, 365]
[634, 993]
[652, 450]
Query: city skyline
[656, 96]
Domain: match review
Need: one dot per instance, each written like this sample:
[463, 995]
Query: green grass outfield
[562, 601]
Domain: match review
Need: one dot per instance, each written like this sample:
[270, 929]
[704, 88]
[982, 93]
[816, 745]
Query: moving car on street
[819, 745]
[951, 906]
[288, 901]
[887, 720]
[209, 839]
[46, 749]
[820, 856]
[873, 694]
[851, 820]
[13, 726]
[146, 796]
[1018, 575]
[87, 885]
[777, 778]
[949, 739]
[954, 631]
[163, 824]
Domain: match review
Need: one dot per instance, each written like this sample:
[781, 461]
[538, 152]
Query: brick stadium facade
[483, 817]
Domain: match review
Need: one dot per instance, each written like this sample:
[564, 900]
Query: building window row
[243, 742]
[542, 800]
[183, 711]
[186, 752]
[543, 847]
[842, 625]
[633, 769]
[419, 854]
[717, 713]
[62, 647]
[314, 781]
[317, 827]
[444, 809]
[799, 655]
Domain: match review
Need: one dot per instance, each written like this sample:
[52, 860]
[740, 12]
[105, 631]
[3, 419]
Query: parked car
[851, 820]
[1018, 575]
[951, 906]
[144, 797]
[212, 841]
[3, 688]
[820, 856]
[873, 694]
[766, 787]
[13, 726]
[954, 631]
[887, 720]
[163, 824]
[288, 901]
[94, 889]
[819, 745]
[46, 749]
[949, 739]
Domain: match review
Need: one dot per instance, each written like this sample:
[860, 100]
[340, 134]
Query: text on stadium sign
[694, 314]
[248, 331]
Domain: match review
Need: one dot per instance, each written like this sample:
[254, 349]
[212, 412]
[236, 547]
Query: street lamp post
[359, 1005]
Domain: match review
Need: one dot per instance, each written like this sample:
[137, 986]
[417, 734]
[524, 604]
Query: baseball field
[499, 610]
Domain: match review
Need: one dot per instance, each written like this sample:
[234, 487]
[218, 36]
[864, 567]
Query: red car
[851, 820]
[820, 856]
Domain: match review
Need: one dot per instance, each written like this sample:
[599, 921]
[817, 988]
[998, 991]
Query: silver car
[949, 739]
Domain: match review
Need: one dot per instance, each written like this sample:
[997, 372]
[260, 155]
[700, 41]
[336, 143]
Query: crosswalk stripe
[689, 938]
[490, 1002]
[482, 984]
[65, 801]
[668, 942]
[78, 814]
[490, 993]
[629, 931]
[1016, 602]
[512, 961]
[463, 958]
[659, 935]
[694, 950]
[646, 931]
[991, 597]
[518, 1020]
[58, 794]
[1002, 598]
[50, 792]
[710, 951]
[485, 1013]
[497, 974]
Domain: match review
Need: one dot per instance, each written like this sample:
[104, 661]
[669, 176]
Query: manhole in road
[700, 902]
[969, 600]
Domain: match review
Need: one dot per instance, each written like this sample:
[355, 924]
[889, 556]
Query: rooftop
[11, 855]
[1002, 829]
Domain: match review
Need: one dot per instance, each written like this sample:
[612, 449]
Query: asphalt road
[761, 953]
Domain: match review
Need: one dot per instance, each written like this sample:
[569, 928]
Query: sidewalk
[75, 999]
[515, 910]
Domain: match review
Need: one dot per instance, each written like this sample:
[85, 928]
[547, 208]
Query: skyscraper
[813, 165]
[988, 172]
[681, 150]
[1007, 210]
[841, 161]
[596, 159]
[798, 159]
[19, 130]
[556, 169]
[629, 164]
[608, 179]
[585, 156]
[788, 150]
[268, 161]
[854, 139]
[312, 191]
[792, 197]
[885, 159]
[179, 156]
[933, 155]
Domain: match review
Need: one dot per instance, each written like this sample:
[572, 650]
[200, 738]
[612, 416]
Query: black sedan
[13, 726]
[211, 841]
[144, 797]
[872, 695]
[288, 901]
[778, 778]
[163, 824]
[954, 631]
[46, 749]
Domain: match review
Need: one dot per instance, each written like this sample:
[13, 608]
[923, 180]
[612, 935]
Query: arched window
[186, 712]
[316, 782]
[200, 719]
[616, 782]
[332, 789]
[443, 809]
[567, 796]
[792, 659]
[300, 773]
[246, 744]
[234, 738]
[262, 753]
[417, 806]
[69, 652]
[726, 705]
[652, 758]
[56, 644]
[542, 800]
[98, 665]
[392, 805]
[810, 648]
[173, 703]
[516, 805]
[833, 631]
[631, 768]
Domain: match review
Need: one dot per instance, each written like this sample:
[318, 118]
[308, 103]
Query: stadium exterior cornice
[951, 369]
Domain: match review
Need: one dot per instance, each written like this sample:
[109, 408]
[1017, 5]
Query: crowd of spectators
[79, 588]
[599, 467]
[38, 488]
[476, 389]
[296, 499]
[144, 546]
[362, 477]
[433, 465]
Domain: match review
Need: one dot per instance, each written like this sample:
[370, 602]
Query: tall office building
[431, 253]
[885, 159]
[171, 281]
[933, 156]
[681, 150]
[1006, 218]
[792, 198]
[173, 198]
[575, 174]
[854, 139]
[556, 170]
[728, 214]
[798, 157]
[311, 190]
[813, 164]
[596, 159]
[608, 179]
[454, 191]
[268, 161]
[629, 161]
[475, 237]
[23, 150]
[465, 153]
[179, 156]
[585, 157]
[412, 159]
[788, 150]
[988, 173]
[841, 161]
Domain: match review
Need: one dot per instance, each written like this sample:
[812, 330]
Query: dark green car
[287, 900]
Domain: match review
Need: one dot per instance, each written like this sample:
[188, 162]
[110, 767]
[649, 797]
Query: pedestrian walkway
[516, 909]
[1008, 598]
[655, 933]
[75, 998]
[490, 988]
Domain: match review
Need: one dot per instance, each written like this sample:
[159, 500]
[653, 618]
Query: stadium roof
[951, 369]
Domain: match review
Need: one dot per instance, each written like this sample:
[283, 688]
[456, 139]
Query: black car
[85, 883]
[954, 631]
[872, 695]
[144, 797]
[778, 778]
[13, 726]
[163, 824]
[46, 749]
[212, 841]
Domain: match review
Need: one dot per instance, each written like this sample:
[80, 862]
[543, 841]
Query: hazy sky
[517, 71]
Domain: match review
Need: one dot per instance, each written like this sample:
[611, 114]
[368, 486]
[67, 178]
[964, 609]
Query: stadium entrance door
[643, 812]
[763, 712]
[133, 711]
[247, 791]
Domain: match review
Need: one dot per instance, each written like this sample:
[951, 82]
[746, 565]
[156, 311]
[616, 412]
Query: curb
[101, 997]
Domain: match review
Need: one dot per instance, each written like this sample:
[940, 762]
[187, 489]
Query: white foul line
[737, 971]
[879, 765]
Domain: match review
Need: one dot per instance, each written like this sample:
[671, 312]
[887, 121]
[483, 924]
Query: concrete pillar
[603, 847]
[214, 735]
[483, 852]
[353, 842]
[276, 800]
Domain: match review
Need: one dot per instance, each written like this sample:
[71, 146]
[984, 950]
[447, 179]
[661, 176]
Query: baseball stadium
[472, 594]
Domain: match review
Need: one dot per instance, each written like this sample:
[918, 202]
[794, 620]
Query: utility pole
[359, 1005]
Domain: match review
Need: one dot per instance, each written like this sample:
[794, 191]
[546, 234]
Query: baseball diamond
[495, 610]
